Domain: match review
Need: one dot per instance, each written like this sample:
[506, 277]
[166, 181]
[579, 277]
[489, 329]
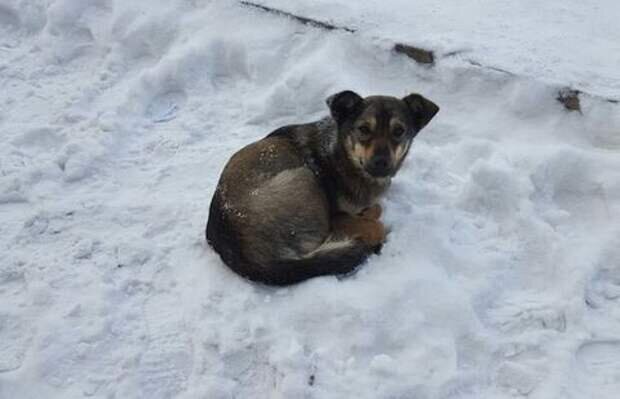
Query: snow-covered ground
[501, 277]
[571, 42]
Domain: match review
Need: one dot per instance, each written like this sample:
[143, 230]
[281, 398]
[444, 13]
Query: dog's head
[377, 131]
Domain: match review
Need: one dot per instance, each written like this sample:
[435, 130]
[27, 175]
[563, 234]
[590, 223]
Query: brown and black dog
[303, 201]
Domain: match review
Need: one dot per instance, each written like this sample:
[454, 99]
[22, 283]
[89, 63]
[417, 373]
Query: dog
[303, 201]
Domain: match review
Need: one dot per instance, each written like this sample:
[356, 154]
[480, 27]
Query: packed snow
[501, 275]
[558, 41]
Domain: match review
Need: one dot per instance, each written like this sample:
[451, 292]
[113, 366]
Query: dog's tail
[331, 258]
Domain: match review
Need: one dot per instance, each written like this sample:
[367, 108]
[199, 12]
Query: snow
[568, 42]
[501, 276]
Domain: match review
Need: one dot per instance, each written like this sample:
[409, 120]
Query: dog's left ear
[344, 105]
[422, 109]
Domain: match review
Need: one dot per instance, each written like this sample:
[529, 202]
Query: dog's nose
[379, 165]
[379, 162]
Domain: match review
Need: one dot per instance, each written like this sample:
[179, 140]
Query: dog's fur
[302, 202]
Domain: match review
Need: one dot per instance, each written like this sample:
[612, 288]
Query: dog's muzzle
[379, 166]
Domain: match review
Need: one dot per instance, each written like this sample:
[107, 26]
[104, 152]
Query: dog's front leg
[365, 227]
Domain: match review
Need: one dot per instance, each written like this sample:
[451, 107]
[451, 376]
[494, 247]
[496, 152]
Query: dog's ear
[344, 105]
[422, 109]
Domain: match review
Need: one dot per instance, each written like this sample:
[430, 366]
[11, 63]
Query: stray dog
[302, 202]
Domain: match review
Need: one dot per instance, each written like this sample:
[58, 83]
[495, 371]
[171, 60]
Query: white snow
[501, 276]
[569, 42]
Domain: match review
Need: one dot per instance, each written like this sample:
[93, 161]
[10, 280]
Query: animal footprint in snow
[166, 364]
[599, 363]
[165, 107]
[604, 286]
[518, 316]
[518, 378]
[78, 160]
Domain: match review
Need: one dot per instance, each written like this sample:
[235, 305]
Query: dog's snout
[379, 165]
[379, 161]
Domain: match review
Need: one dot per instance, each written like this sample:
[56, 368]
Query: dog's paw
[367, 230]
[371, 232]
[377, 249]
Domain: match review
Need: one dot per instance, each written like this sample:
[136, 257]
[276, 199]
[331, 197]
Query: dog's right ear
[344, 105]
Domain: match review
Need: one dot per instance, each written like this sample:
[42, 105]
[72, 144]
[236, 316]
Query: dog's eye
[398, 132]
[364, 132]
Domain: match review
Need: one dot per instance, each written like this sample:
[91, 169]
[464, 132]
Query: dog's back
[270, 216]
